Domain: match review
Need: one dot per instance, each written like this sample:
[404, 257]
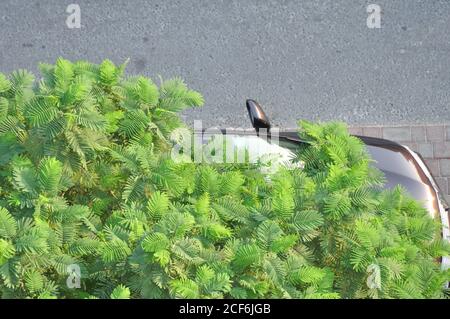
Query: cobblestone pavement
[431, 141]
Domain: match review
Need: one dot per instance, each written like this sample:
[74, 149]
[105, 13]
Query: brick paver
[400, 133]
[418, 134]
[431, 141]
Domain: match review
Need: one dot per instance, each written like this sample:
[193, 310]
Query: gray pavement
[301, 59]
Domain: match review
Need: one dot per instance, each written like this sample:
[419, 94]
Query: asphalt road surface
[306, 59]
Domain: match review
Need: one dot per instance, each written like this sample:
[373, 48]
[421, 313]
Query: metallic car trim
[444, 213]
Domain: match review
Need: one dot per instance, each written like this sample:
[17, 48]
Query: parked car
[400, 165]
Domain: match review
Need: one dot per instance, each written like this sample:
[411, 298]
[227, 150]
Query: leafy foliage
[86, 179]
